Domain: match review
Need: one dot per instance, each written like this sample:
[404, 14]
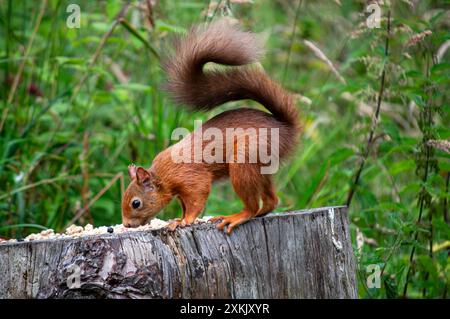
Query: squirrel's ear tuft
[132, 171]
[143, 177]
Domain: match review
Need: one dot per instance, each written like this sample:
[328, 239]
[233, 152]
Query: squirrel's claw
[216, 218]
[231, 221]
[177, 222]
[174, 224]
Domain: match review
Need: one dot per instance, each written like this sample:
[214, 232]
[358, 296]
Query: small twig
[430, 249]
[27, 52]
[16, 80]
[117, 71]
[93, 200]
[49, 181]
[294, 29]
[150, 14]
[85, 173]
[214, 12]
[397, 244]
[445, 211]
[395, 191]
[41, 182]
[321, 56]
[122, 186]
[413, 250]
[384, 230]
[422, 195]
[94, 57]
[319, 186]
[375, 118]
[117, 21]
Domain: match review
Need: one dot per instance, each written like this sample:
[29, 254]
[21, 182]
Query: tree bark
[304, 254]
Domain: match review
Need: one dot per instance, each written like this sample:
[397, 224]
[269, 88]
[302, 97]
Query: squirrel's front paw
[216, 218]
[174, 224]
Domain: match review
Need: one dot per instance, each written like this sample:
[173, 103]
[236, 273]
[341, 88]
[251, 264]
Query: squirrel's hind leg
[248, 183]
[268, 196]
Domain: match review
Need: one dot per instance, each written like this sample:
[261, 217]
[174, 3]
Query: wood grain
[303, 254]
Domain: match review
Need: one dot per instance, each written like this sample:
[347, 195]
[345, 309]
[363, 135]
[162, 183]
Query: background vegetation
[78, 105]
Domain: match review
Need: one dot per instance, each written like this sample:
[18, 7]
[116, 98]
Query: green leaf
[102, 27]
[162, 26]
[428, 264]
[68, 60]
[341, 155]
[439, 67]
[435, 19]
[401, 166]
[391, 288]
[440, 72]
[135, 87]
[414, 74]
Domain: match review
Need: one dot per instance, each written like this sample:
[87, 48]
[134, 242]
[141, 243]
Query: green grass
[96, 113]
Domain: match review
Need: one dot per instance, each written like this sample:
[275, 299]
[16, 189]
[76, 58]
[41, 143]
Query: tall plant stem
[93, 60]
[445, 210]
[375, 120]
[294, 28]
[428, 115]
[7, 49]
[416, 236]
[16, 80]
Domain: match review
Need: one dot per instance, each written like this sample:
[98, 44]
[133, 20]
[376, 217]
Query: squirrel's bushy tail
[224, 44]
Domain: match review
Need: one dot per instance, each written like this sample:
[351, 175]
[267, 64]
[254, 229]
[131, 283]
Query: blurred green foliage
[88, 102]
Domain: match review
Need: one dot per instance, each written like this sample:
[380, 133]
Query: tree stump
[303, 254]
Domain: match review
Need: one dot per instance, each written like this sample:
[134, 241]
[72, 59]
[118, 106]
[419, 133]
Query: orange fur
[190, 85]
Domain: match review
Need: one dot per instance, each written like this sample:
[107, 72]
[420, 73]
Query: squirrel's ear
[155, 179]
[132, 171]
[143, 177]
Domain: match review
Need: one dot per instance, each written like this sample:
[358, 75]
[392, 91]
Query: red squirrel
[189, 84]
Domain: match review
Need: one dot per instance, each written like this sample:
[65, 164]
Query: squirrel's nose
[127, 225]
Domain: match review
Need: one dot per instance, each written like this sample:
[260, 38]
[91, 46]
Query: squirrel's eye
[136, 203]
